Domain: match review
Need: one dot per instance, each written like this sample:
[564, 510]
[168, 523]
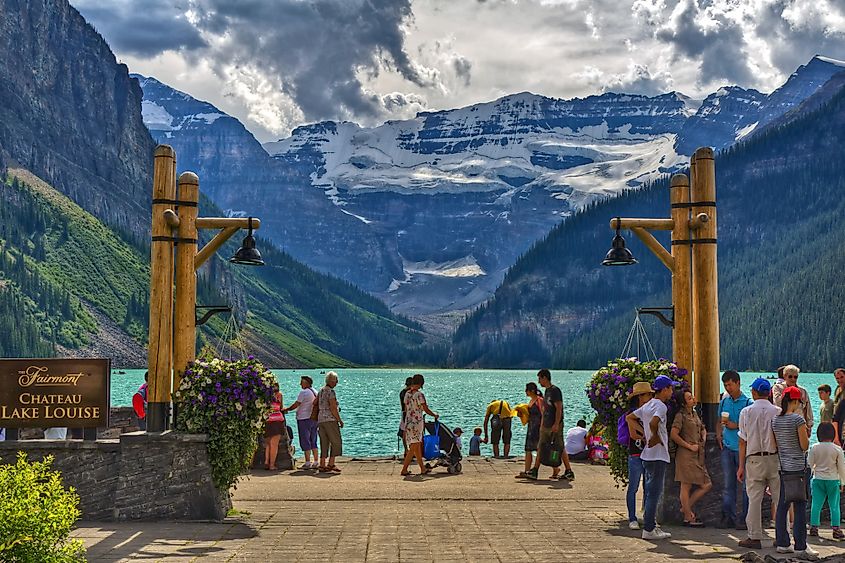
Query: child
[828, 476]
[475, 442]
[457, 432]
[826, 410]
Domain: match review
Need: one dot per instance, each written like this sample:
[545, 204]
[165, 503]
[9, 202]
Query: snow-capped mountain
[448, 200]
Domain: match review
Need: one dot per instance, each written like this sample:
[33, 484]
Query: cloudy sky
[276, 64]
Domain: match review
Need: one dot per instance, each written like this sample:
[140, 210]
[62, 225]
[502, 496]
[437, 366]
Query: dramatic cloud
[276, 64]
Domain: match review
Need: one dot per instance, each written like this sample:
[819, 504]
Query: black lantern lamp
[247, 254]
[618, 254]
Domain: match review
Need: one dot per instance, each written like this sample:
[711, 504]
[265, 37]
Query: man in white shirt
[758, 460]
[655, 456]
[576, 441]
[790, 379]
[305, 427]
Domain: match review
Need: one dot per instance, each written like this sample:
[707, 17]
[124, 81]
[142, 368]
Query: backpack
[496, 419]
[623, 435]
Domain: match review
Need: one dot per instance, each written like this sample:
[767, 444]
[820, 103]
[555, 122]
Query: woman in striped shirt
[790, 431]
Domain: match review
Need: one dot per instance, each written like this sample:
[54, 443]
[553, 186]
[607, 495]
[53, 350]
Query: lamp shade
[618, 254]
[247, 254]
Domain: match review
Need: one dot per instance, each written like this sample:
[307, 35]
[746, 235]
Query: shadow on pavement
[156, 540]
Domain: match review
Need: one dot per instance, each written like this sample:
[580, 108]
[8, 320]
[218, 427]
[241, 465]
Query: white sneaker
[655, 534]
[810, 554]
[307, 465]
[787, 549]
[633, 525]
[662, 531]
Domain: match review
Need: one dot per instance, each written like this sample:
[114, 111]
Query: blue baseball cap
[662, 382]
[761, 385]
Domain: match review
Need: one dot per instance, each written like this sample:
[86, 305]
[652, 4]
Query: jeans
[654, 472]
[799, 526]
[635, 476]
[823, 489]
[730, 464]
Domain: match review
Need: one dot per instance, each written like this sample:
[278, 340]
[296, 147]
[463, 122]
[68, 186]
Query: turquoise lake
[369, 399]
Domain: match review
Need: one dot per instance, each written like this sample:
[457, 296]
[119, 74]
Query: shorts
[274, 428]
[331, 443]
[503, 433]
[307, 430]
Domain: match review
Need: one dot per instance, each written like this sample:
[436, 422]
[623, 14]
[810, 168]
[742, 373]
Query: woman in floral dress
[415, 410]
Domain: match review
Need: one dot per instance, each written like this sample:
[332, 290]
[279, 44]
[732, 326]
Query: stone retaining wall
[139, 476]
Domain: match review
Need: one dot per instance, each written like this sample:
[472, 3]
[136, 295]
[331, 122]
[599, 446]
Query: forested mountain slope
[781, 200]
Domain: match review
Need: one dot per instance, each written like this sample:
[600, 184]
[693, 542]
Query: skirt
[274, 428]
[689, 467]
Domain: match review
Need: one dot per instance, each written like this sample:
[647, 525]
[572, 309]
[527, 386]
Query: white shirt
[645, 413]
[827, 461]
[306, 402]
[755, 427]
[575, 443]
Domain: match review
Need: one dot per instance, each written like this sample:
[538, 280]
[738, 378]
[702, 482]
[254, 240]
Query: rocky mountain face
[449, 200]
[76, 165]
[242, 179]
[87, 146]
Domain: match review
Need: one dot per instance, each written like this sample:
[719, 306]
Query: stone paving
[371, 513]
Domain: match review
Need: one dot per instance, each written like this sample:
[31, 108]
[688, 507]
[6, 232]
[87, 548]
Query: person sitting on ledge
[576, 441]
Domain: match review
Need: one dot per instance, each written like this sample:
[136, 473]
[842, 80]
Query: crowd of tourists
[764, 443]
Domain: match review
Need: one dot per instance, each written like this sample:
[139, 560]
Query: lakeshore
[370, 513]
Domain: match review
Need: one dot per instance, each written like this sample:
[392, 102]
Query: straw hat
[640, 388]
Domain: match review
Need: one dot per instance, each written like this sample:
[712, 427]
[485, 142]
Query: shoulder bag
[496, 419]
[315, 408]
[794, 483]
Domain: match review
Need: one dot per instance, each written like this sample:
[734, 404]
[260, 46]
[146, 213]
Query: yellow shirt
[493, 408]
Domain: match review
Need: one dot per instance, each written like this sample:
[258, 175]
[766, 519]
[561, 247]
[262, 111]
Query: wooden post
[184, 329]
[682, 353]
[159, 359]
[706, 289]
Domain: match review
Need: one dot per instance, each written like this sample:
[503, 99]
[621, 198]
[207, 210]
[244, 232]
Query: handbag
[794, 483]
[431, 443]
[315, 408]
[551, 451]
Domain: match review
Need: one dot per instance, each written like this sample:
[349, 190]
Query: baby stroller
[449, 455]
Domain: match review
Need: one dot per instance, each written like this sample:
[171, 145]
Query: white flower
[238, 406]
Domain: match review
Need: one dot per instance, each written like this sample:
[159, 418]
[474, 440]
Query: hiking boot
[569, 475]
[809, 554]
[838, 534]
[814, 531]
[748, 543]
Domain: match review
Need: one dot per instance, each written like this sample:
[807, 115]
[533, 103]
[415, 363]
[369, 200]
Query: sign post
[47, 393]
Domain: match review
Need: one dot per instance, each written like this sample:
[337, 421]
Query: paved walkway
[370, 513]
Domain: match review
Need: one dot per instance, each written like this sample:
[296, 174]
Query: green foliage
[229, 401]
[781, 298]
[37, 514]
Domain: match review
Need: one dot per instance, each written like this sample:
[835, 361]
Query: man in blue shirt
[727, 432]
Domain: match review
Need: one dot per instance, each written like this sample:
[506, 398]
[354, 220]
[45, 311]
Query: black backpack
[496, 419]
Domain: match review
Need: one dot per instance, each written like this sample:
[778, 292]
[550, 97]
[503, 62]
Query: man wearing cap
[727, 433]
[758, 460]
[655, 456]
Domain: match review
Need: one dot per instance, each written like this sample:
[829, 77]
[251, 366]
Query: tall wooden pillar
[706, 305]
[184, 330]
[159, 353]
[682, 351]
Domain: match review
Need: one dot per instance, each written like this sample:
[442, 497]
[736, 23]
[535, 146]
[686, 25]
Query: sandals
[426, 472]
[694, 523]
[333, 468]
[405, 473]
[323, 469]
[521, 475]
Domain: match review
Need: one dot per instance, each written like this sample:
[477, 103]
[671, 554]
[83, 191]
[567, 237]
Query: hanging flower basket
[229, 401]
[608, 392]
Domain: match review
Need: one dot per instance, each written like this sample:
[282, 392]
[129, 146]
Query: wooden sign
[46, 393]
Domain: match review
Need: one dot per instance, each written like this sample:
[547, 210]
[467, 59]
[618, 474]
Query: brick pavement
[370, 513]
